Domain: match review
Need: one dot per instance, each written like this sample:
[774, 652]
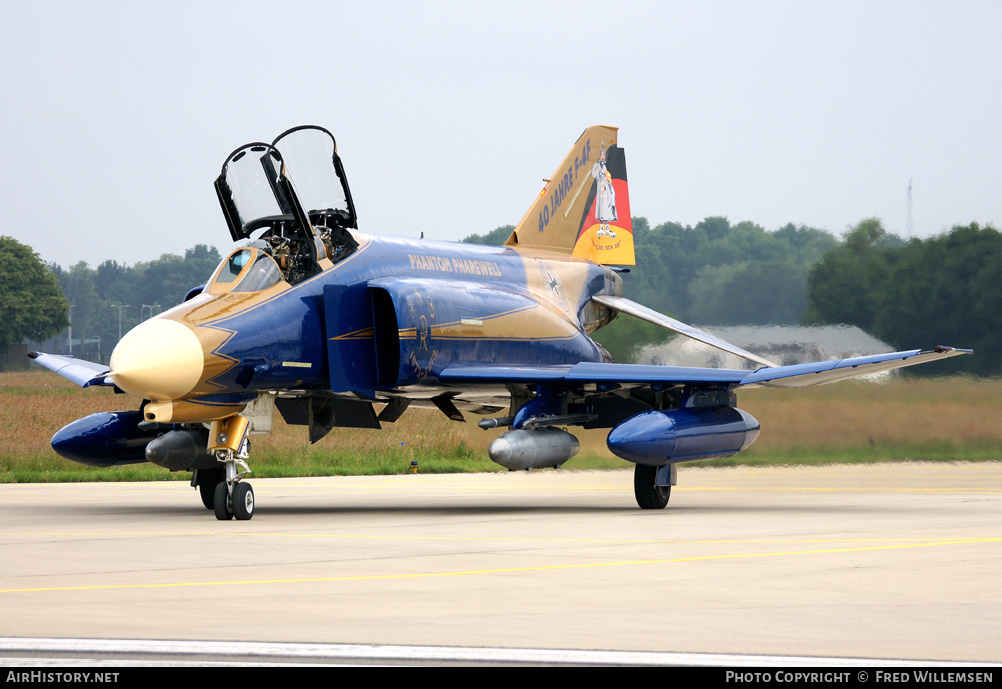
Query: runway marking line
[503, 570]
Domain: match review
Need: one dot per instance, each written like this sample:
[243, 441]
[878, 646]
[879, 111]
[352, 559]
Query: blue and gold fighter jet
[334, 327]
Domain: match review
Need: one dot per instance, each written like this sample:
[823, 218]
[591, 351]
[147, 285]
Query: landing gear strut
[231, 497]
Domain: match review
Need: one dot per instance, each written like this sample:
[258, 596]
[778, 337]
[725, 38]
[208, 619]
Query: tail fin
[584, 209]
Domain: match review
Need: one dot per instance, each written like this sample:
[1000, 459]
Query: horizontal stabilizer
[83, 373]
[640, 311]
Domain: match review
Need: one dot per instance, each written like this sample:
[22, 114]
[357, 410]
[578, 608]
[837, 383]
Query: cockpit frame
[262, 198]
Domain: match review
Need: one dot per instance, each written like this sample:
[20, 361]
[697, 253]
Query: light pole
[150, 307]
[119, 307]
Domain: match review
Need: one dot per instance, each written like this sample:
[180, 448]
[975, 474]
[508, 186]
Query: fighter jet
[335, 327]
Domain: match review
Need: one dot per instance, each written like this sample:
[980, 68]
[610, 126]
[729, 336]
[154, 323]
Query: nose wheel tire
[221, 502]
[243, 501]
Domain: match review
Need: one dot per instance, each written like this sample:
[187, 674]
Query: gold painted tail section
[584, 209]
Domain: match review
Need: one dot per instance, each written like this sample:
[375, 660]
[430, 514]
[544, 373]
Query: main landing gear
[652, 485]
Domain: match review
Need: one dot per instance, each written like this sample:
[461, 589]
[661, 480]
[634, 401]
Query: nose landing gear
[232, 497]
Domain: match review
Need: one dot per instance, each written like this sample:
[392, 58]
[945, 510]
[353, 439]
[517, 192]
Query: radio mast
[908, 221]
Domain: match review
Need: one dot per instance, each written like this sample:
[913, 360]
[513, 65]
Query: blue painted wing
[589, 372]
[803, 375]
[796, 376]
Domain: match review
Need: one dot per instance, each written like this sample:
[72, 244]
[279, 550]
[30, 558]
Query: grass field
[936, 419]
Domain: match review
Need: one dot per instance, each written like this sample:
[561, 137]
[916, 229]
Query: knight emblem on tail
[605, 208]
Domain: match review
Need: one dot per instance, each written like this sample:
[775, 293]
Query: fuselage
[383, 320]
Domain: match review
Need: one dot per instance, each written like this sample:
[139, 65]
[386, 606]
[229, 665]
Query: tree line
[943, 290]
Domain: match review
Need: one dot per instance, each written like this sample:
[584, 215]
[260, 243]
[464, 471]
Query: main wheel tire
[243, 501]
[221, 503]
[208, 479]
[649, 496]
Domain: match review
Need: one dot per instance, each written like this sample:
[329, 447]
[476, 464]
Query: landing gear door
[351, 349]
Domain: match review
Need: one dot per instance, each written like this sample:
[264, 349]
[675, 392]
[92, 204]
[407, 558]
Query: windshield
[231, 267]
[262, 274]
[245, 270]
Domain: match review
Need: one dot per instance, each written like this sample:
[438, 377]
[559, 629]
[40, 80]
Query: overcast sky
[116, 116]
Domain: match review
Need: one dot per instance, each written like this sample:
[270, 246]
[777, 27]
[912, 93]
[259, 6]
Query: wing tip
[943, 349]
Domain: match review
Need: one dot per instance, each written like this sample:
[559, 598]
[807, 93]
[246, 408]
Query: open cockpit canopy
[301, 222]
[311, 160]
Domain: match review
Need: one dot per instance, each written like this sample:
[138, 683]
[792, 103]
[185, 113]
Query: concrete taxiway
[879, 561]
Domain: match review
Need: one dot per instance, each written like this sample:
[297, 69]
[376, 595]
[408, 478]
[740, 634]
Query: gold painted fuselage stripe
[363, 334]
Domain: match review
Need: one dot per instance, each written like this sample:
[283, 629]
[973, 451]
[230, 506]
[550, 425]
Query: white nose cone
[159, 359]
